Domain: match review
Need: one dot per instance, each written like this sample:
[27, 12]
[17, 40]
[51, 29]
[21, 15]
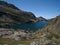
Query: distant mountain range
[41, 19]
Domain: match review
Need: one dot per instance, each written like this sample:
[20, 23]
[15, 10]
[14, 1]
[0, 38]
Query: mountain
[54, 25]
[41, 19]
[10, 15]
[50, 35]
[8, 5]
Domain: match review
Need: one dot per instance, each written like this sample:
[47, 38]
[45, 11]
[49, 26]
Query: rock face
[10, 14]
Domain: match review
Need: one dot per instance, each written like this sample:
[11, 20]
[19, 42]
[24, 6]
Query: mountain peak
[42, 19]
[3, 3]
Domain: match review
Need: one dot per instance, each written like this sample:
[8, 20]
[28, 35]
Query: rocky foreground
[16, 35]
[30, 38]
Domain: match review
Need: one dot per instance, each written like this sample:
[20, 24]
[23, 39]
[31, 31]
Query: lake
[31, 25]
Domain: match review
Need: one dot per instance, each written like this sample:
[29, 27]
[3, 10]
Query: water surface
[31, 26]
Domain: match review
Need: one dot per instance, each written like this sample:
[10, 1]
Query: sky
[45, 8]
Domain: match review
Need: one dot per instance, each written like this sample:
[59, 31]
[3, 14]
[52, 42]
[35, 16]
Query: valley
[18, 27]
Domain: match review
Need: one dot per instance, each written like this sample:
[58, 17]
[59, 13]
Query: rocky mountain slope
[54, 25]
[10, 14]
[50, 35]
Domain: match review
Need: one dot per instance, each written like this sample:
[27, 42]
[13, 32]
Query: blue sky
[45, 8]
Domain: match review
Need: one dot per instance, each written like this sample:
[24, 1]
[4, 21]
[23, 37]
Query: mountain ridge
[11, 15]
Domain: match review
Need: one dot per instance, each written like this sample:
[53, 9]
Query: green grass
[14, 42]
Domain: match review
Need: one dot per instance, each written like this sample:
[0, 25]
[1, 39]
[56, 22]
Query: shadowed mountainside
[10, 14]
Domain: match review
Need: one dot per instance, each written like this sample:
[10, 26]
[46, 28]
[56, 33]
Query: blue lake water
[31, 26]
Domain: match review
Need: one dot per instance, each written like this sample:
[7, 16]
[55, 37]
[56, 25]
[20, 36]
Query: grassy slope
[52, 30]
[14, 42]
